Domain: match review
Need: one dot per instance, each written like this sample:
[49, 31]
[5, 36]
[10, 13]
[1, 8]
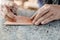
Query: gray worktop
[50, 31]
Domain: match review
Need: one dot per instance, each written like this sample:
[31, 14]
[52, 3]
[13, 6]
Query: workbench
[50, 31]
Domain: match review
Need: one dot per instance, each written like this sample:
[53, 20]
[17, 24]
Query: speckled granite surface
[49, 31]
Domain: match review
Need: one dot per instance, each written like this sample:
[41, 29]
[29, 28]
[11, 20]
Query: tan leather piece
[20, 20]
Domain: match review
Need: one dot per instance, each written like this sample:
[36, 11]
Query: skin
[11, 10]
[46, 14]
[10, 15]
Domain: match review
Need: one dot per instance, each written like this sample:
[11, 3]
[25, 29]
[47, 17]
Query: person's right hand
[10, 15]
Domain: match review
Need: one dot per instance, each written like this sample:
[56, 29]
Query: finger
[43, 18]
[8, 9]
[41, 12]
[48, 20]
[6, 6]
[33, 16]
[11, 15]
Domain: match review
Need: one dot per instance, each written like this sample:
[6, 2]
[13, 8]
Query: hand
[46, 14]
[14, 8]
[9, 14]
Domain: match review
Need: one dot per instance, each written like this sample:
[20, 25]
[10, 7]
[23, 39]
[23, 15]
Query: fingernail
[36, 23]
[33, 21]
[42, 23]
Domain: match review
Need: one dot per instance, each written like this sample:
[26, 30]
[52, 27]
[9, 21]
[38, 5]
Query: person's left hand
[46, 14]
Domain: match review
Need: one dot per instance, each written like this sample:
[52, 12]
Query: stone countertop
[50, 31]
